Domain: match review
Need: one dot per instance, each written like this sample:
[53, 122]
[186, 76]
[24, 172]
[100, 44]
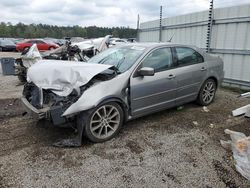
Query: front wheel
[104, 122]
[207, 92]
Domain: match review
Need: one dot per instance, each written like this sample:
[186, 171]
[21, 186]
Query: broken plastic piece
[205, 109]
[242, 110]
[240, 145]
[245, 94]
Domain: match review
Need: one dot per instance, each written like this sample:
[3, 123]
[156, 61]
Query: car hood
[63, 76]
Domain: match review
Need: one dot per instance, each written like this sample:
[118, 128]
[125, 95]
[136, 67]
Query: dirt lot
[166, 149]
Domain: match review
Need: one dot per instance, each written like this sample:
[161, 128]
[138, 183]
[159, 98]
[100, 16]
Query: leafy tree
[21, 30]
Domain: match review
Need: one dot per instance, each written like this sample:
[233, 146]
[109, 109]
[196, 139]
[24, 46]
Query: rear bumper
[34, 112]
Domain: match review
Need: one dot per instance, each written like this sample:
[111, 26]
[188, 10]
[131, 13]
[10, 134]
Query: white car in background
[117, 41]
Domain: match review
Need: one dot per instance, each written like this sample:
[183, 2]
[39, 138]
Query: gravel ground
[172, 148]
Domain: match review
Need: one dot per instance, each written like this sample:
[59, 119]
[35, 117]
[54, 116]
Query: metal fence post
[160, 26]
[209, 26]
[138, 30]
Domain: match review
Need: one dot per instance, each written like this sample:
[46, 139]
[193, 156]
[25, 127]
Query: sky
[106, 13]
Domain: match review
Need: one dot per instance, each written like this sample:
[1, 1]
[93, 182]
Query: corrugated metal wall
[230, 37]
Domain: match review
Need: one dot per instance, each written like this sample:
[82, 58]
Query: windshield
[122, 57]
[7, 42]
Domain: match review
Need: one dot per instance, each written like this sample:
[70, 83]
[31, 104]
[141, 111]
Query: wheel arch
[120, 102]
[209, 78]
[213, 78]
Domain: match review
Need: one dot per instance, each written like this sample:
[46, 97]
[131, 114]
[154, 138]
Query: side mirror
[146, 71]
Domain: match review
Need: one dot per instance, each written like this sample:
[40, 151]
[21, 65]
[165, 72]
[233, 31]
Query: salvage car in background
[7, 45]
[42, 45]
[117, 41]
[80, 51]
[120, 84]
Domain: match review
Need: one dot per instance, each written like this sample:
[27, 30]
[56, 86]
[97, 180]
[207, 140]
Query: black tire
[205, 91]
[92, 135]
[22, 78]
[25, 50]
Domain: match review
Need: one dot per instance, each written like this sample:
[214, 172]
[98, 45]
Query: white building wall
[230, 33]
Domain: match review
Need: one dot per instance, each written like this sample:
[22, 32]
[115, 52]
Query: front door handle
[203, 68]
[171, 76]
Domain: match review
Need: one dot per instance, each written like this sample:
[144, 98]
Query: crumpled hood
[31, 57]
[63, 76]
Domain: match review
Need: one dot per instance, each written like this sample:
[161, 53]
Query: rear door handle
[171, 76]
[203, 68]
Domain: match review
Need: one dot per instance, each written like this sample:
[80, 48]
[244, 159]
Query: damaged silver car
[120, 84]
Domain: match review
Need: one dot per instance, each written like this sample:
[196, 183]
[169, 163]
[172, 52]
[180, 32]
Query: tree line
[21, 30]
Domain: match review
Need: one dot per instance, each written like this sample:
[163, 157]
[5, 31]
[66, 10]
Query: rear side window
[31, 42]
[39, 42]
[188, 56]
[159, 59]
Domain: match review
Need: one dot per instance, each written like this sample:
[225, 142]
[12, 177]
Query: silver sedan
[120, 84]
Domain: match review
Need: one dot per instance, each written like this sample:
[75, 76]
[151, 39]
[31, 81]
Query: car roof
[151, 45]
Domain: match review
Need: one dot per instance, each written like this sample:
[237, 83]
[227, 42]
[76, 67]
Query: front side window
[159, 59]
[187, 56]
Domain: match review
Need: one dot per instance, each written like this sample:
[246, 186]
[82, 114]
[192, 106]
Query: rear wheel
[207, 92]
[104, 122]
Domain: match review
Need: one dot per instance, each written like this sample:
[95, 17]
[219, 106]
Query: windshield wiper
[103, 60]
[116, 70]
[120, 62]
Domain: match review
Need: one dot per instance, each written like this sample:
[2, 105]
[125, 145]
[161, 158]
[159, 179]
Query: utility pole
[160, 26]
[209, 26]
[138, 29]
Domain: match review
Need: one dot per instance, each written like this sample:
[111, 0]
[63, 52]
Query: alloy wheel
[208, 92]
[105, 121]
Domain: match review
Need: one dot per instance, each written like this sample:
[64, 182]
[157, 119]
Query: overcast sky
[99, 12]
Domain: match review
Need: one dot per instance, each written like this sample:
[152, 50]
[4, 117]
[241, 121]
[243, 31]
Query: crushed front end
[44, 104]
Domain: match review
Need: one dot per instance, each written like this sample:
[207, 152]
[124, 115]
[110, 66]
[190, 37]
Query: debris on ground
[205, 109]
[179, 108]
[211, 125]
[195, 123]
[240, 145]
[244, 110]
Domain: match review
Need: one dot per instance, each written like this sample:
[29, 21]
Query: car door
[190, 72]
[153, 93]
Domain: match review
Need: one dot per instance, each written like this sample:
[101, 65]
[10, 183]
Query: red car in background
[42, 45]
